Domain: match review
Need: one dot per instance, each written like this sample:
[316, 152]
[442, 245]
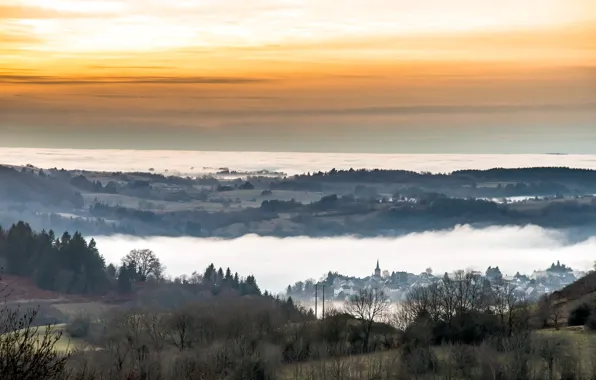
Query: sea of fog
[277, 262]
[196, 162]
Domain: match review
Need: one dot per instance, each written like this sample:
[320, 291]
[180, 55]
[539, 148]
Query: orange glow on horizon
[217, 64]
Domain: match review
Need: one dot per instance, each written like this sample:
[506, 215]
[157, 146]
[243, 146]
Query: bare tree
[468, 289]
[543, 311]
[146, 263]
[400, 318]
[556, 313]
[507, 304]
[422, 301]
[26, 353]
[368, 305]
[548, 312]
[180, 326]
[153, 323]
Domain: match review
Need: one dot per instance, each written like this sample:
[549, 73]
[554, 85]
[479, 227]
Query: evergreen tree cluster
[559, 268]
[67, 264]
[219, 280]
[70, 264]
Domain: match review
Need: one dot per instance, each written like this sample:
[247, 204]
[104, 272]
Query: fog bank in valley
[277, 262]
[196, 162]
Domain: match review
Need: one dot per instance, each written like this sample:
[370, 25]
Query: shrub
[579, 316]
[79, 326]
[463, 359]
[591, 322]
[28, 353]
[419, 360]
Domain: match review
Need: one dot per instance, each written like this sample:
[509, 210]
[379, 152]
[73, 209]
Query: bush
[419, 360]
[579, 316]
[27, 352]
[591, 322]
[464, 359]
[79, 326]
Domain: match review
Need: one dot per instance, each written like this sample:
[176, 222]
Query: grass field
[581, 340]
[88, 308]
[349, 367]
[377, 365]
[66, 343]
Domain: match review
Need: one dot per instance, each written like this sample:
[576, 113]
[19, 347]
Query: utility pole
[323, 317]
[316, 298]
[316, 301]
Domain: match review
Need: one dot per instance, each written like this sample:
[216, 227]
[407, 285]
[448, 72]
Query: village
[396, 285]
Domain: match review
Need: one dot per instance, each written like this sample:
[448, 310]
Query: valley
[231, 204]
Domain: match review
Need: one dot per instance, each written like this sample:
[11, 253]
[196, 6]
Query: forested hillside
[70, 264]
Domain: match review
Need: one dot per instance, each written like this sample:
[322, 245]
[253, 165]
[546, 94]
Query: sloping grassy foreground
[385, 364]
[66, 343]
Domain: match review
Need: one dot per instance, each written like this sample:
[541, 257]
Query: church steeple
[378, 270]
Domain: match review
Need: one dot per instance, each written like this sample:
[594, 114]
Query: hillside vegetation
[338, 202]
[454, 329]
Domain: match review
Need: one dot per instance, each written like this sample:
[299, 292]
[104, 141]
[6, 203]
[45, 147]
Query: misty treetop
[217, 280]
[471, 175]
[71, 264]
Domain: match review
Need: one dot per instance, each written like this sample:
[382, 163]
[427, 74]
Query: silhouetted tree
[146, 262]
[368, 305]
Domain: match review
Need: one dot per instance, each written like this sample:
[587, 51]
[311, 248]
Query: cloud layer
[198, 163]
[279, 262]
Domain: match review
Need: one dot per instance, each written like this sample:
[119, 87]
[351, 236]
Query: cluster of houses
[397, 284]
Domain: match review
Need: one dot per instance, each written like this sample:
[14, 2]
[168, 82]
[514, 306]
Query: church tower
[378, 270]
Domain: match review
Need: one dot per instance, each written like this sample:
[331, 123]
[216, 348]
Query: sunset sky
[403, 76]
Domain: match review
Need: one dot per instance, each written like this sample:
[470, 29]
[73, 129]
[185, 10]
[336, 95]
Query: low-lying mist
[196, 162]
[277, 262]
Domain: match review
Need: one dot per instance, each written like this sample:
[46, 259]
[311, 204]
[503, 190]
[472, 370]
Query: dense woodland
[67, 263]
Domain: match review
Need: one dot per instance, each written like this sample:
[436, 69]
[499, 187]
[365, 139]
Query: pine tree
[111, 270]
[209, 275]
[236, 282]
[131, 270]
[124, 279]
[252, 287]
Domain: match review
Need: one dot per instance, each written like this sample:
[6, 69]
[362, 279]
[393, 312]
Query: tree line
[458, 328]
[67, 263]
[70, 264]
